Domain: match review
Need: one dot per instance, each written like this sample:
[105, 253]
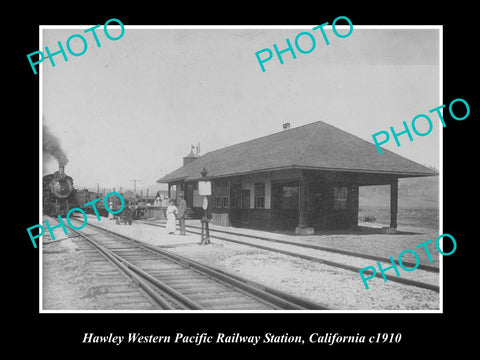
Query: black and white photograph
[248, 184]
[298, 197]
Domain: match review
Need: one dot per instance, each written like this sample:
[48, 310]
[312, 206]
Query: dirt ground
[66, 277]
[69, 283]
[338, 288]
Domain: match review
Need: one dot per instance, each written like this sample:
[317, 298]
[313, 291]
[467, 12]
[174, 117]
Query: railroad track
[110, 281]
[405, 281]
[302, 245]
[177, 283]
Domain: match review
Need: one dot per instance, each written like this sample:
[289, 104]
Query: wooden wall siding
[342, 219]
[320, 204]
[269, 220]
[285, 220]
[362, 179]
[251, 218]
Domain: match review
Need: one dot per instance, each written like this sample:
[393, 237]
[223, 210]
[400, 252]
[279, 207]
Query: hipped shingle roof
[313, 146]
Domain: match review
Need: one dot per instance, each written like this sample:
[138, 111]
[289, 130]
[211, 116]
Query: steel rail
[308, 246]
[263, 293]
[355, 269]
[190, 304]
[138, 280]
[131, 269]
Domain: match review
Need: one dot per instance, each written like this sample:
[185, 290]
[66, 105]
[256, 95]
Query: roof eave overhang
[399, 174]
[166, 179]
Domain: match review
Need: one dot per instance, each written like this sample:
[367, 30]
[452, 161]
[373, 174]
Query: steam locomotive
[59, 195]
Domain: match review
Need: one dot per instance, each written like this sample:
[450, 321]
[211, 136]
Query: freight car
[95, 201]
[58, 193]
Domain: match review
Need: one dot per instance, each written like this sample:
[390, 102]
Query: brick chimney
[190, 157]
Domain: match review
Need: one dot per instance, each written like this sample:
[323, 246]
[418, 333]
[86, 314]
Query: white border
[243, 27]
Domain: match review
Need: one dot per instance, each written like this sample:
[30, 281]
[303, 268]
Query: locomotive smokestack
[61, 170]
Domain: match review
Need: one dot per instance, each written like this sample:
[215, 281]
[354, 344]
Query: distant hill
[413, 193]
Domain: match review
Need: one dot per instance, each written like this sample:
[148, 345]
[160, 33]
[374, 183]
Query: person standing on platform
[182, 208]
[171, 212]
[110, 215]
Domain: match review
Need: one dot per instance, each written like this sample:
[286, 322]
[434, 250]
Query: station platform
[368, 238]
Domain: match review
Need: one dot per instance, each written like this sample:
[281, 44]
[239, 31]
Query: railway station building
[304, 179]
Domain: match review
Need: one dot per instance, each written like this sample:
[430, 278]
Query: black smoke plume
[52, 147]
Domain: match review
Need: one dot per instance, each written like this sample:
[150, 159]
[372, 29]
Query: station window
[259, 195]
[240, 198]
[222, 193]
[340, 197]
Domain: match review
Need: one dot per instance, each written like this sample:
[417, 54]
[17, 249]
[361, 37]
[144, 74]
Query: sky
[132, 108]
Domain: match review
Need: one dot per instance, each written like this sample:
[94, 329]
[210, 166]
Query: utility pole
[135, 185]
